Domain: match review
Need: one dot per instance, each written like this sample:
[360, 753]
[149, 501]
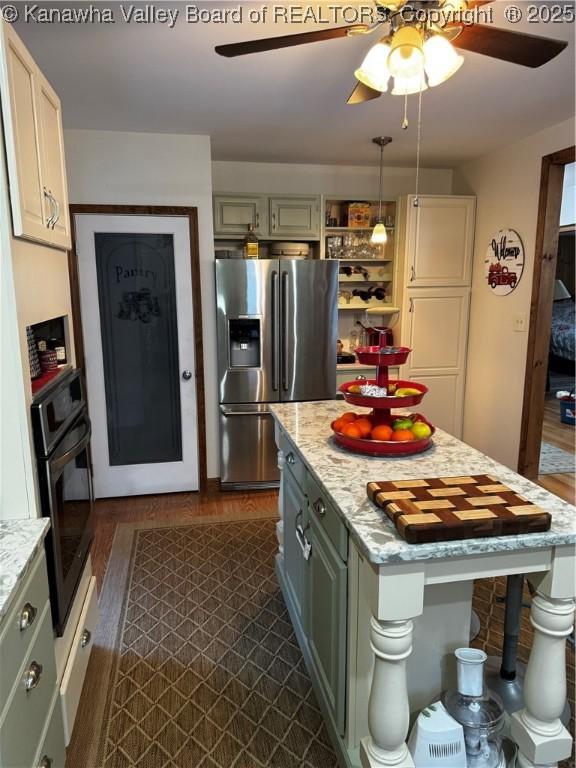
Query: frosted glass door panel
[136, 294]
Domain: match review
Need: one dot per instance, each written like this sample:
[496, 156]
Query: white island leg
[542, 739]
[388, 707]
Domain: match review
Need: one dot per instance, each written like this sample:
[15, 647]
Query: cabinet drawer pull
[319, 507]
[27, 616]
[56, 217]
[290, 459]
[273, 221]
[412, 274]
[411, 305]
[46, 762]
[257, 220]
[50, 218]
[85, 638]
[32, 676]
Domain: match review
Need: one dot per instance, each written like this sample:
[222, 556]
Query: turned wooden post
[388, 707]
[542, 739]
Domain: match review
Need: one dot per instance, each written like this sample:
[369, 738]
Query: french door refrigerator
[277, 323]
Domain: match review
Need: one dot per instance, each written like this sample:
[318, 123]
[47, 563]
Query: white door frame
[188, 217]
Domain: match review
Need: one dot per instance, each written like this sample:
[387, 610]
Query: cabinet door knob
[85, 638]
[27, 616]
[32, 676]
[290, 459]
[186, 375]
[319, 507]
[46, 762]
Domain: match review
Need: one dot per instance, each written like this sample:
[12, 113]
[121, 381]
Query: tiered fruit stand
[383, 358]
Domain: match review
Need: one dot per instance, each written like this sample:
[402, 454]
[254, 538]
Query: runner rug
[196, 664]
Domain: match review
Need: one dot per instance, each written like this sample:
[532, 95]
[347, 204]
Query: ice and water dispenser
[244, 340]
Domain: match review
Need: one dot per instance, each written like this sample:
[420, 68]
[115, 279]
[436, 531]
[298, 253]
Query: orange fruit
[402, 435]
[381, 432]
[364, 425]
[348, 416]
[351, 430]
[338, 424]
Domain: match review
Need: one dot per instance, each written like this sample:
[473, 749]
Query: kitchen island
[378, 619]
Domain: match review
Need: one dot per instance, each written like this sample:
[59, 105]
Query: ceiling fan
[416, 50]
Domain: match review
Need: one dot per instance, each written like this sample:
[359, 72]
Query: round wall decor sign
[504, 262]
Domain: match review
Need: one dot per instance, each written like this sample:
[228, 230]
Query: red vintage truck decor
[504, 262]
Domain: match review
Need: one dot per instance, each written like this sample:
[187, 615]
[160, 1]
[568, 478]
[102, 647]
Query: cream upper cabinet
[439, 238]
[34, 146]
[53, 165]
[295, 216]
[233, 214]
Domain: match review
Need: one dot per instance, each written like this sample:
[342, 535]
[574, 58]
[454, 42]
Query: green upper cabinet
[295, 217]
[233, 214]
[286, 217]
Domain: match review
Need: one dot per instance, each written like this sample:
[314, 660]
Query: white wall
[507, 185]
[110, 167]
[338, 180]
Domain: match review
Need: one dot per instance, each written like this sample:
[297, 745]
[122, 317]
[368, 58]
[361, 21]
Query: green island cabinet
[314, 577]
[31, 723]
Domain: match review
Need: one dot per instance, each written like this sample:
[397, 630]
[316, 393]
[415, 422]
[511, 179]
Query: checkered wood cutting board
[448, 508]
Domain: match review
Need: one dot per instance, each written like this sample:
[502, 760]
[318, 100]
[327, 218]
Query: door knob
[186, 375]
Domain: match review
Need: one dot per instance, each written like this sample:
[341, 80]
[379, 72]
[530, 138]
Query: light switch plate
[520, 322]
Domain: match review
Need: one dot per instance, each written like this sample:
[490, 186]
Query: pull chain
[405, 121]
[416, 200]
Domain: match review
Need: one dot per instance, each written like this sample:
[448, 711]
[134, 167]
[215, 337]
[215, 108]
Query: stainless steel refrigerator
[277, 323]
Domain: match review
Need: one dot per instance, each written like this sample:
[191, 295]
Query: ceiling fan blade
[515, 47]
[287, 41]
[362, 93]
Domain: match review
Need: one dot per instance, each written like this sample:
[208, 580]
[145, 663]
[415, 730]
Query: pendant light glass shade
[406, 58]
[404, 86]
[379, 234]
[440, 60]
[373, 71]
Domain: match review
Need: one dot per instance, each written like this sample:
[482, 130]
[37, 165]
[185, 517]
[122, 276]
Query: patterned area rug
[555, 461]
[203, 670]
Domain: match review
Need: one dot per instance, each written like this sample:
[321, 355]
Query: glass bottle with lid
[251, 246]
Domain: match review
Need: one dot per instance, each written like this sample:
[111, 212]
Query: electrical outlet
[520, 322]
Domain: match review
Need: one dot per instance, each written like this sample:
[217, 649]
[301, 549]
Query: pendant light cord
[380, 184]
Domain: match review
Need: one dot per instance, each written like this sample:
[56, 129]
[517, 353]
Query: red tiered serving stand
[381, 413]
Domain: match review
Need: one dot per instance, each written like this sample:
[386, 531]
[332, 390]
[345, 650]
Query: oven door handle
[61, 461]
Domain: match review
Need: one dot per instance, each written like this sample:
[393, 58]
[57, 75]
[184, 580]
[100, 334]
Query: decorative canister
[48, 360]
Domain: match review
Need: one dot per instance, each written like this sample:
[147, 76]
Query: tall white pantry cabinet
[434, 272]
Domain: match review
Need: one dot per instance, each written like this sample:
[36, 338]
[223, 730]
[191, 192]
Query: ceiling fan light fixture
[405, 86]
[379, 234]
[441, 60]
[373, 71]
[406, 58]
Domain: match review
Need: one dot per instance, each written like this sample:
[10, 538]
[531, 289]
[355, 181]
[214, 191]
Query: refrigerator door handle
[275, 350]
[284, 331]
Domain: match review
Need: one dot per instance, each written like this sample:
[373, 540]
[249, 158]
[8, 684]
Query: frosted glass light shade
[404, 86]
[373, 71]
[406, 58]
[440, 60]
[379, 234]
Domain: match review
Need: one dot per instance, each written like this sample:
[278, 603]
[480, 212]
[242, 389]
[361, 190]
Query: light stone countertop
[20, 541]
[344, 475]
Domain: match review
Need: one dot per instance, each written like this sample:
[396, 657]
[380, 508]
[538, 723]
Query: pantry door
[135, 285]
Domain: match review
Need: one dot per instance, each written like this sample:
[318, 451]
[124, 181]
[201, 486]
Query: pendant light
[379, 234]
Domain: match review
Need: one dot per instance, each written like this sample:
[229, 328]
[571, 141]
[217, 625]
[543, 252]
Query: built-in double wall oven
[62, 438]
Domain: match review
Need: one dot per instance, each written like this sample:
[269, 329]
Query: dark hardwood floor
[170, 507]
[562, 436]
